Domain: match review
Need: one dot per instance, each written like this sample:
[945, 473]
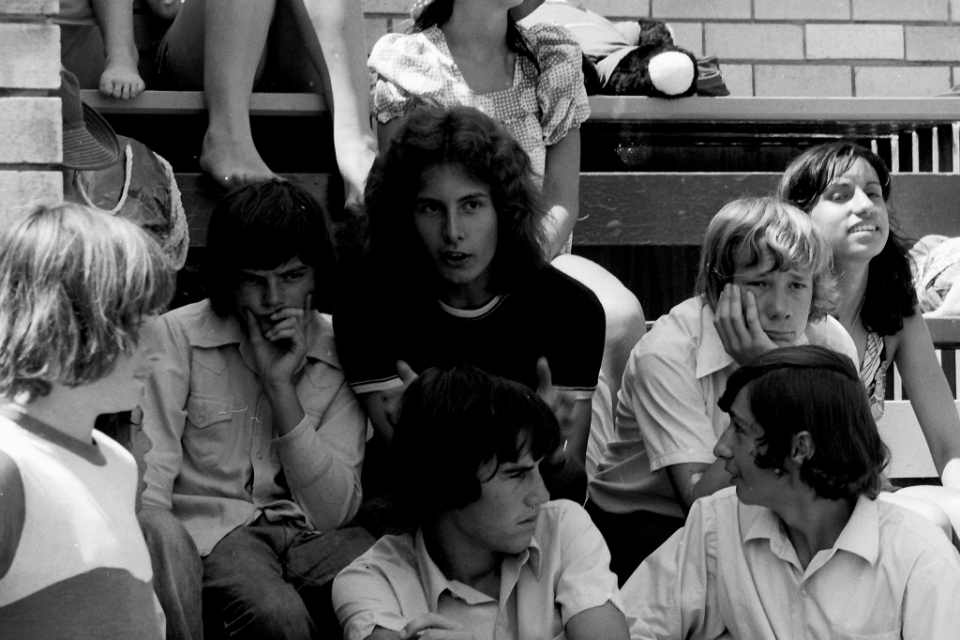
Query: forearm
[692, 481]
[325, 486]
[561, 191]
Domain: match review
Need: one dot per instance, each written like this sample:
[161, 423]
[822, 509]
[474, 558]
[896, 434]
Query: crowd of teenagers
[481, 442]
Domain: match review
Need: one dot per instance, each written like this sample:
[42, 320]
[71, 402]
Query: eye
[247, 278]
[799, 285]
[293, 276]
[428, 207]
[757, 283]
[472, 205]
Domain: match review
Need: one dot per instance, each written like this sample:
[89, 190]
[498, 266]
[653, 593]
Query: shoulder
[548, 38]
[912, 537]
[391, 557]
[676, 334]
[554, 285]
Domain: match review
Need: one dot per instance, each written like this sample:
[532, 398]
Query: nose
[861, 202]
[538, 493]
[722, 449]
[452, 227]
[272, 294]
[776, 304]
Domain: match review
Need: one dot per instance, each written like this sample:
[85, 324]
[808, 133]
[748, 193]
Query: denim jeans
[177, 572]
[273, 580]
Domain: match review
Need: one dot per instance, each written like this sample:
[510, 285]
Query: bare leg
[120, 78]
[219, 45]
[333, 33]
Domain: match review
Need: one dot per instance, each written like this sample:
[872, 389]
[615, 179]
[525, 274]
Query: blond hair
[746, 230]
[75, 284]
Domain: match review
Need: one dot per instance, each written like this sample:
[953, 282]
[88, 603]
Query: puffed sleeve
[408, 70]
[560, 92]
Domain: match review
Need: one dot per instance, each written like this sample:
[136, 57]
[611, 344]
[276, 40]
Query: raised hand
[279, 352]
[737, 320]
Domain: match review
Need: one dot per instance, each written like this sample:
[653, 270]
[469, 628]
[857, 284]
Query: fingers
[407, 374]
[752, 316]
[544, 377]
[253, 329]
[430, 623]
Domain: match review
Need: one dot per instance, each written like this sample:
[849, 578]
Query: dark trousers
[631, 537]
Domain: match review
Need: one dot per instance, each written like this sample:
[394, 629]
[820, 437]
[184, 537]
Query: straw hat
[89, 141]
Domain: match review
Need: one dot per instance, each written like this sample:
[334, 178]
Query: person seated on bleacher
[764, 282]
[76, 287]
[799, 547]
[257, 439]
[845, 189]
[119, 76]
[223, 46]
[456, 273]
[485, 554]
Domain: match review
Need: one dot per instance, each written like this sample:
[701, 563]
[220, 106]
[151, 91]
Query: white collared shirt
[564, 571]
[732, 571]
[667, 409]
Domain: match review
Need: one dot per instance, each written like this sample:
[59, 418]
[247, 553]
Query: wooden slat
[675, 208]
[908, 111]
[944, 331]
[191, 103]
[748, 109]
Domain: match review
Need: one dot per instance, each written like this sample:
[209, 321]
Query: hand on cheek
[737, 320]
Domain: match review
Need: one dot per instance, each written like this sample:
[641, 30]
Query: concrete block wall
[841, 48]
[30, 123]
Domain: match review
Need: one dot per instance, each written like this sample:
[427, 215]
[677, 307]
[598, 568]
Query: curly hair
[263, 226]
[813, 389]
[890, 295]
[746, 230]
[464, 138]
[75, 285]
[438, 12]
[452, 424]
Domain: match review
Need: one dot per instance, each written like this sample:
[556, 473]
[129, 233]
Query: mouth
[733, 474]
[454, 258]
[781, 336]
[864, 227]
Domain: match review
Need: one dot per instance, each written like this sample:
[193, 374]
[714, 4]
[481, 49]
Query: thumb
[544, 377]
[407, 375]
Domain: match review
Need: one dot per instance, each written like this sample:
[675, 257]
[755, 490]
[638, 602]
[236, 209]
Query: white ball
[672, 72]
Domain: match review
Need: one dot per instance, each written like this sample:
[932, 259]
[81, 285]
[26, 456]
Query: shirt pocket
[207, 430]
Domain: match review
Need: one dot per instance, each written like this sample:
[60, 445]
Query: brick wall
[866, 48]
[30, 136]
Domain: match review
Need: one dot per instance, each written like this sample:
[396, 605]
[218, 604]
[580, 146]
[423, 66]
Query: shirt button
[803, 592]
[259, 456]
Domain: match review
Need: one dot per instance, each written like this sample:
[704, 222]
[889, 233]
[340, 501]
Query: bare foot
[120, 79]
[232, 162]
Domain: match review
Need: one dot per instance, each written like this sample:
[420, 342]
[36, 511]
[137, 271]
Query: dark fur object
[632, 75]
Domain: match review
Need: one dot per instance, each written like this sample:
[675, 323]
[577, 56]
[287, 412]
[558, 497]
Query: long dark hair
[890, 296]
[465, 138]
[438, 12]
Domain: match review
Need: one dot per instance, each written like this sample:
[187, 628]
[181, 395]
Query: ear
[801, 447]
